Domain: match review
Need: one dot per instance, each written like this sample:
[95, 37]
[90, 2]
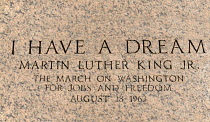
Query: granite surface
[22, 98]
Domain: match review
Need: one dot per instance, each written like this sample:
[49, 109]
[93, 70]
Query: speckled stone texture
[23, 99]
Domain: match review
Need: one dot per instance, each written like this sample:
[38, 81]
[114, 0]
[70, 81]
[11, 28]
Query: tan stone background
[94, 21]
